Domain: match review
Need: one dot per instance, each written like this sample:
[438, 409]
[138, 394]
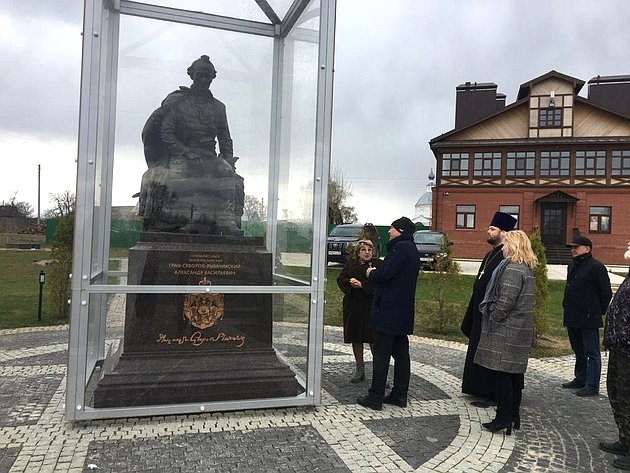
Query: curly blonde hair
[362, 243]
[520, 248]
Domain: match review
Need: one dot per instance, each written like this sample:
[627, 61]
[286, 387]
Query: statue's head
[202, 72]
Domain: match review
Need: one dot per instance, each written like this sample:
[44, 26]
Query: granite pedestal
[198, 347]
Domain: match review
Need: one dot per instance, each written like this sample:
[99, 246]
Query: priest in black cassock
[476, 380]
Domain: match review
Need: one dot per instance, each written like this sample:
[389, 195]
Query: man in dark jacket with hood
[392, 315]
[617, 340]
[586, 296]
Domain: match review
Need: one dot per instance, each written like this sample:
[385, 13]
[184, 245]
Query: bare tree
[339, 191]
[254, 209]
[62, 205]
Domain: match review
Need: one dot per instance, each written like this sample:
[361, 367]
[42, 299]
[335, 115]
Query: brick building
[553, 159]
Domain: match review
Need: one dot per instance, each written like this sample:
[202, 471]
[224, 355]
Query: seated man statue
[189, 188]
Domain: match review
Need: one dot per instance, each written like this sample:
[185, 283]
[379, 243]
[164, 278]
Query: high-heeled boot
[517, 422]
[359, 373]
[497, 425]
[516, 407]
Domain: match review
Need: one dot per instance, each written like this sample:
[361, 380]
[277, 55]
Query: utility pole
[39, 179]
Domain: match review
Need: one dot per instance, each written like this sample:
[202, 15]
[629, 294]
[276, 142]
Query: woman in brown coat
[508, 327]
[357, 302]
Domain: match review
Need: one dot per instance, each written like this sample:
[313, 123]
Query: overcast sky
[397, 66]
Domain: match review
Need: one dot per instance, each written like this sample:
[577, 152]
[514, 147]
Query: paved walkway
[439, 430]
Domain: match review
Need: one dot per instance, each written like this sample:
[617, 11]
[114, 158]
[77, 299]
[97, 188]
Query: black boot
[618, 448]
[517, 422]
[622, 463]
[497, 425]
[370, 402]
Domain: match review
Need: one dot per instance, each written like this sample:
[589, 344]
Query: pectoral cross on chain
[483, 270]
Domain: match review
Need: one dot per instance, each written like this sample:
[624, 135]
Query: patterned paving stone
[439, 430]
[7, 458]
[22, 340]
[416, 440]
[295, 351]
[22, 400]
[560, 431]
[336, 383]
[288, 449]
[54, 358]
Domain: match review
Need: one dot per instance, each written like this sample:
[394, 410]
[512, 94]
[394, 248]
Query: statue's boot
[225, 217]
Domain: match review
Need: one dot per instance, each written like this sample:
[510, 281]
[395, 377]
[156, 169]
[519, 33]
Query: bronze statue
[189, 188]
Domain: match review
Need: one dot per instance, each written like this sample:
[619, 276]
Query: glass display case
[203, 162]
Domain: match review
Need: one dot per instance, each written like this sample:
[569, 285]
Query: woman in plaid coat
[508, 327]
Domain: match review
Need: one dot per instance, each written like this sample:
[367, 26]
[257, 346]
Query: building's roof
[557, 196]
[457, 130]
[588, 102]
[559, 140]
[476, 85]
[423, 219]
[425, 199]
[523, 98]
[523, 91]
[609, 79]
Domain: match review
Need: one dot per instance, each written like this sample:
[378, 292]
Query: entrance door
[553, 223]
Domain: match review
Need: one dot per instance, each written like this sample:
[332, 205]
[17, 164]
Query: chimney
[475, 101]
[611, 92]
[500, 102]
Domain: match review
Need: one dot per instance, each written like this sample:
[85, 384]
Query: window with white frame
[620, 164]
[599, 219]
[521, 163]
[465, 216]
[513, 210]
[550, 117]
[555, 163]
[487, 165]
[590, 163]
[455, 164]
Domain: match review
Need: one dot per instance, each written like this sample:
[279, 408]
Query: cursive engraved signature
[198, 339]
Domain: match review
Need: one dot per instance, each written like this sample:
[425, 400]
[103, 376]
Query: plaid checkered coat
[506, 336]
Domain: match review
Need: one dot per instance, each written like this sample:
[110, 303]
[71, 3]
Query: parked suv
[429, 244]
[349, 234]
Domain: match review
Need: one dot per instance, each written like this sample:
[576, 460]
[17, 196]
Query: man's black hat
[404, 225]
[503, 221]
[581, 241]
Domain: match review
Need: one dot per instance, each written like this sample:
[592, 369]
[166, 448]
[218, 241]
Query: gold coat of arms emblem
[203, 310]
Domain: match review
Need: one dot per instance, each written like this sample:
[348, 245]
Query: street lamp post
[42, 280]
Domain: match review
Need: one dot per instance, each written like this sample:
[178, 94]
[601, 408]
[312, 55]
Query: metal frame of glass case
[93, 219]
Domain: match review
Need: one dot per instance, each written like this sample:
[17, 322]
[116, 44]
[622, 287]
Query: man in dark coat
[476, 379]
[617, 340]
[586, 296]
[392, 315]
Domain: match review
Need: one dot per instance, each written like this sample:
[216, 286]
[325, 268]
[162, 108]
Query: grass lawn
[19, 288]
[553, 343]
[118, 252]
[19, 291]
